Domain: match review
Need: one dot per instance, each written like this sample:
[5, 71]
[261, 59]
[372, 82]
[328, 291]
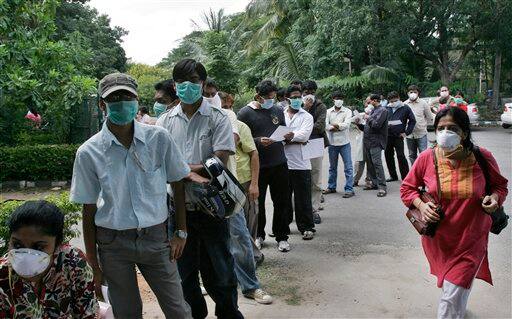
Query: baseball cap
[115, 82]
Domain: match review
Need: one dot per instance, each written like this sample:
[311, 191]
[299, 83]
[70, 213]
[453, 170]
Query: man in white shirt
[337, 126]
[417, 141]
[301, 124]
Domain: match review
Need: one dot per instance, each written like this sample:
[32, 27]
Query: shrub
[71, 217]
[37, 163]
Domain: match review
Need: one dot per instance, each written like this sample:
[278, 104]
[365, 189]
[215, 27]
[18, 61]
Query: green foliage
[37, 162]
[38, 71]
[70, 210]
[103, 41]
[147, 76]
[219, 61]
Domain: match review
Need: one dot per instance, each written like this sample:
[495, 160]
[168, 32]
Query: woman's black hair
[460, 118]
[41, 214]
[184, 69]
[167, 87]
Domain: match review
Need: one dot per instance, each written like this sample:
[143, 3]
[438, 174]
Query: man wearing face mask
[211, 93]
[338, 121]
[417, 141]
[300, 123]
[165, 97]
[401, 122]
[375, 140]
[202, 130]
[444, 100]
[120, 176]
[318, 110]
[263, 118]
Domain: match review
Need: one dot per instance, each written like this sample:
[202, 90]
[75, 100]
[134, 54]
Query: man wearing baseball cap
[120, 176]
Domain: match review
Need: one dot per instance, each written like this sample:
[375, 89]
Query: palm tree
[214, 21]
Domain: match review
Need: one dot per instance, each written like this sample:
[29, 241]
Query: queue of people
[139, 187]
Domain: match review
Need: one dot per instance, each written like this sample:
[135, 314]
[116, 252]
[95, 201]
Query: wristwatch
[181, 234]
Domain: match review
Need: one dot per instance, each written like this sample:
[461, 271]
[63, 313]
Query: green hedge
[37, 162]
[71, 211]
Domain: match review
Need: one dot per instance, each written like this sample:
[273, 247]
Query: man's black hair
[293, 88]
[393, 95]
[167, 87]
[413, 88]
[144, 110]
[265, 87]
[296, 82]
[281, 92]
[186, 67]
[336, 94]
[211, 83]
[40, 214]
[375, 97]
[309, 85]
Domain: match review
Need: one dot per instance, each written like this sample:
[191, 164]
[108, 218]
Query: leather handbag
[499, 217]
[414, 214]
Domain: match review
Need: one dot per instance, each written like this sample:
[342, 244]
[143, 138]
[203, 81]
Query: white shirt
[423, 116]
[342, 118]
[301, 124]
[127, 185]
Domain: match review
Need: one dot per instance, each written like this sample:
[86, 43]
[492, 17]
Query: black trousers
[300, 182]
[396, 143]
[207, 252]
[275, 178]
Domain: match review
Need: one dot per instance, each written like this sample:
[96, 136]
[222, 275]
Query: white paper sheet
[279, 133]
[394, 123]
[313, 149]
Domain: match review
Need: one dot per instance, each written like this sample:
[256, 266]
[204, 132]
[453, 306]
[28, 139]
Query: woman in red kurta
[458, 251]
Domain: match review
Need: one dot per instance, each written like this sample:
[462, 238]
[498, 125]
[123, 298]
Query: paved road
[366, 260]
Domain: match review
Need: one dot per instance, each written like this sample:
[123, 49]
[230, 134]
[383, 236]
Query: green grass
[276, 280]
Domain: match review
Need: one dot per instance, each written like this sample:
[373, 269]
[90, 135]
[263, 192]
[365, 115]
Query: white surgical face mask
[215, 100]
[308, 97]
[338, 103]
[444, 94]
[29, 263]
[369, 109]
[413, 96]
[447, 139]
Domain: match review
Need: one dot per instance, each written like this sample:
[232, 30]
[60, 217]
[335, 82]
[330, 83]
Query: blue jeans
[345, 152]
[241, 249]
[416, 146]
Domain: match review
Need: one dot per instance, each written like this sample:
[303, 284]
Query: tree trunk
[496, 80]
[445, 74]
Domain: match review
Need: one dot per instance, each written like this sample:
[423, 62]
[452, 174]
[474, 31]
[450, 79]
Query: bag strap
[436, 165]
[482, 162]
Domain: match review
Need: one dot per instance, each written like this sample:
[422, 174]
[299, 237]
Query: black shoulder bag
[499, 217]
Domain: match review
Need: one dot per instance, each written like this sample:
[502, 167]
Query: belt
[139, 230]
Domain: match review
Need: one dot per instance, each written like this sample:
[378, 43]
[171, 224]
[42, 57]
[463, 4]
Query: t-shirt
[244, 147]
[263, 123]
[234, 125]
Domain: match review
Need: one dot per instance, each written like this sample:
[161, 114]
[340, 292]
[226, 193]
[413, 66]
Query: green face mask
[188, 92]
[159, 108]
[122, 112]
[458, 100]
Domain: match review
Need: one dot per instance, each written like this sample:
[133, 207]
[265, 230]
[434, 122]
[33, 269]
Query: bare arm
[178, 189]
[255, 173]
[223, 156]
[89, 229]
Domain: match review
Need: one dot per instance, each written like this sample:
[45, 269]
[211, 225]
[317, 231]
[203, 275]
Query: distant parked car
[506, 117]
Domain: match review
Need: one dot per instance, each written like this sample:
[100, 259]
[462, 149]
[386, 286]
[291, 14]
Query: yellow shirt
[244, 147]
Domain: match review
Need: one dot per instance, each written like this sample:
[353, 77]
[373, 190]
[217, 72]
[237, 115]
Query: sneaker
[260, 296]
[259, 242]
[308, 235]
[329, 191]
[203, 291]
[316, 218]
[348, 194]
[283, 246]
